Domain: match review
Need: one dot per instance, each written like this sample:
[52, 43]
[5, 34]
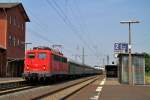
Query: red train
[43, 63]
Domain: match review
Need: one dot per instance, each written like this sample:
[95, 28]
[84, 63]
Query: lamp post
[26, 45]
[130, 69]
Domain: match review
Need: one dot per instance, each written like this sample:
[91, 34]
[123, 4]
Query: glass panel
[42, 55]
[31, 55]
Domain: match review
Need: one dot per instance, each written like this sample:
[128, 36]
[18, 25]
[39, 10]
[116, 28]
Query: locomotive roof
[47, 48]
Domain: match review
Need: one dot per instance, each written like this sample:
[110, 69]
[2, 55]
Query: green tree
[147, 62]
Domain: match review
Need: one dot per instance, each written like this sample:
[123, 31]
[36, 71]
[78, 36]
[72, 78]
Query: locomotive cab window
[31, 55]
[42, 55]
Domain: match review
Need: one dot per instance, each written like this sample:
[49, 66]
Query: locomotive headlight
[27, 68]
[44, 67]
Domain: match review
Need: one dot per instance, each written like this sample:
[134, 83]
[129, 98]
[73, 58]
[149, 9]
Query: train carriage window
[31, 55]
[64, 60]
[42, 55]
[54, 57]
[60, 59]
[57, 58]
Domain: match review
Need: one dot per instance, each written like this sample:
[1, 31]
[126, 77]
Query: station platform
[11, 79]
[112, 81]
[111, 89]
[114, 91]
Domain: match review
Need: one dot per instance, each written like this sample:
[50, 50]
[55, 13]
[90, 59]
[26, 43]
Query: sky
[90, 24]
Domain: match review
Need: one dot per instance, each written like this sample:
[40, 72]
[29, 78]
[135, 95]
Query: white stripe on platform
[103, 81]
[98, 89]
[94, 98]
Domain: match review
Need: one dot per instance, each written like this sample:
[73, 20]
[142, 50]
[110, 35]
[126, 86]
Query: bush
[147, 62]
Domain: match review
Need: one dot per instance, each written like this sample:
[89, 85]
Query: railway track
[61, 90]
[21, 88]
[11, 87]
[65, 92]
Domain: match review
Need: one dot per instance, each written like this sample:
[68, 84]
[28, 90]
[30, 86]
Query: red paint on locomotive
[45, 63]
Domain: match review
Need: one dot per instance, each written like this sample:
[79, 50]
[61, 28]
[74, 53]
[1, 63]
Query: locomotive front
[36, 65]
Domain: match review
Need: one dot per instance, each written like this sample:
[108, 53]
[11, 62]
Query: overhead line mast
[130, 68]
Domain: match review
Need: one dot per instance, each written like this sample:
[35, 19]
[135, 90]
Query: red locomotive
[43, 62]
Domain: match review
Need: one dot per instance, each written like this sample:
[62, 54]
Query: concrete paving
[124, 92]
[88, 92]
[106, 89]
[112, 90]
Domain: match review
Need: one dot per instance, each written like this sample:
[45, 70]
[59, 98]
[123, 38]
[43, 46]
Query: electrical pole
[107, 59]
[103, 61]
[83, 55]
[130, 68]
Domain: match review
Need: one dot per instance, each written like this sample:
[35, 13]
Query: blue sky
[95, 26]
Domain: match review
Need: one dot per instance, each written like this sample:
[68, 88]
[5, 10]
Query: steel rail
[71, 93]
[11, 85]
[67, 87]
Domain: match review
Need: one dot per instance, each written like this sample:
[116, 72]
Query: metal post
[26, 45]
[107, 59]
[130, 62]
[130, 67]
[83, 55]
[103, 61]
[76, 57]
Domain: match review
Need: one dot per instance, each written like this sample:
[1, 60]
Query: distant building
[13, 20]
[111, 71]
[100, 67]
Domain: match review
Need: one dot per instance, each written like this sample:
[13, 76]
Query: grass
[147, 77]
